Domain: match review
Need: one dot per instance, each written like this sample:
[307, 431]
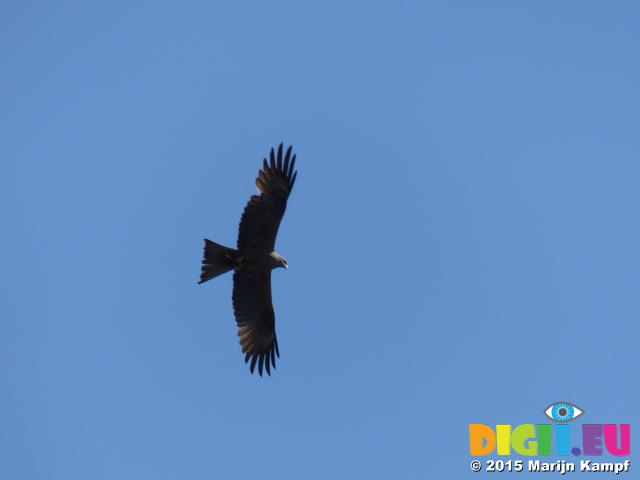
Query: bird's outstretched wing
[256, 321]
[262, 215]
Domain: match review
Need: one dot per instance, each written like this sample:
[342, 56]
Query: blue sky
[462, 237]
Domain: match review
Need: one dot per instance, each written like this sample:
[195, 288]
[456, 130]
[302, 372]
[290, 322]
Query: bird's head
[279, 261]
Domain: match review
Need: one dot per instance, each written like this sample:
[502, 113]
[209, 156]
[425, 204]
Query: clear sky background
[463, 237]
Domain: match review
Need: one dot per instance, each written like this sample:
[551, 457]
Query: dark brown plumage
[253, 260]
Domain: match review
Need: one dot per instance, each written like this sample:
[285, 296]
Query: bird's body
[253, 260]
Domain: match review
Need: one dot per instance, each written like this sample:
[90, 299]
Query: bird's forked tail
[217, 260]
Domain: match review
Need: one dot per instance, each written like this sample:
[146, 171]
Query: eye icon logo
[563, 412]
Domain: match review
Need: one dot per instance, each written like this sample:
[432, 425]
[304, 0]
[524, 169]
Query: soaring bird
[253, 259]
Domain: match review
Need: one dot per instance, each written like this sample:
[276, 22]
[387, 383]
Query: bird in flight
[253, 260]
